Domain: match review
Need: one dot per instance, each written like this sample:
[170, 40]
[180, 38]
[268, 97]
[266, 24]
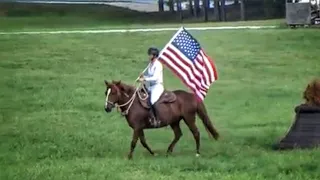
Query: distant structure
[302, 12]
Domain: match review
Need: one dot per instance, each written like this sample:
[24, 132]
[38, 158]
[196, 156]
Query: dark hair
[153, 51]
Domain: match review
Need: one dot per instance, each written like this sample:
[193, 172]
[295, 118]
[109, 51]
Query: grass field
[53, 124]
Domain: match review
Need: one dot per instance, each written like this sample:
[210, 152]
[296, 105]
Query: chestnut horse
[172, 107]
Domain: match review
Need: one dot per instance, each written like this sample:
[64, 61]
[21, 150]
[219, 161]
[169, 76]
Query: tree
[274, 8]
[179, 8]
[205, 9]
[171, 5]
[161, 5]
[217, 10]
[191, 7]
[223, 10]
[196, 7]
[242, 10]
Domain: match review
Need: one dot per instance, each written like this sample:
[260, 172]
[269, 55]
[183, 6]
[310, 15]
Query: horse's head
[112, 95]
[116, 93]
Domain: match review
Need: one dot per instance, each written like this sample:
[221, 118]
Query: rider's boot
[153, 117]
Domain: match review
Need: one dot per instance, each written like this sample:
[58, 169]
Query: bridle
[130, 101]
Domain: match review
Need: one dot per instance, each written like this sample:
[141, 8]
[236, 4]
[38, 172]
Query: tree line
[270, 8]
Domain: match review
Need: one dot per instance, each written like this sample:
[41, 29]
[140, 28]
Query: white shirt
[154, 74]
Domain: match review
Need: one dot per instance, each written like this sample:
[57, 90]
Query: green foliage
[274, 8]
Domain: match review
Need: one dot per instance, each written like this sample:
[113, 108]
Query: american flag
[185, 57]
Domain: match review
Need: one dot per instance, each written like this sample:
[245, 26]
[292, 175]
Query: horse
[172, 107]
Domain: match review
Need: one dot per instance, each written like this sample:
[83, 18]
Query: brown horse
[171, 108]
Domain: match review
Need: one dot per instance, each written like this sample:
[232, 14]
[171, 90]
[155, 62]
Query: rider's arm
[156, 74]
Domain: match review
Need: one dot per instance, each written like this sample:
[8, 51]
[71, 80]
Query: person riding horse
[163, 110]
[153, 79]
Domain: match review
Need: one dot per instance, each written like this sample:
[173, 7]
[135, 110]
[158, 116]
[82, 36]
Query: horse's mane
[126, 87]
[312, 93]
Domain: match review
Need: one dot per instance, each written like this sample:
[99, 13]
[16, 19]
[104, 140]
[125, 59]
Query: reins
[131, 100]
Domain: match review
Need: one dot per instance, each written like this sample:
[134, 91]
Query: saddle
[166, 98]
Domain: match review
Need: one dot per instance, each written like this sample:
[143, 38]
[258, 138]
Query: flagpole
[161, 52]
[143, 71]
[174, 36]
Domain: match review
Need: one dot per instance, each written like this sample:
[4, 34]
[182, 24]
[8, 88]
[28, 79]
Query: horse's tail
[202, 113]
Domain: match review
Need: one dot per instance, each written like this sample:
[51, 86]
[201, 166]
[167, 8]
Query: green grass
[53, 124]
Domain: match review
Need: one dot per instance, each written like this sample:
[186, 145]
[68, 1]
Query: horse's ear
[119, 85]
[106, 83]
[116, 82]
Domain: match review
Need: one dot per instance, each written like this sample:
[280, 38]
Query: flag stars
[187, 45]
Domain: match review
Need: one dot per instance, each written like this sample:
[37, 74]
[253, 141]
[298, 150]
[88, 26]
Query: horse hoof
[169, 152]
[155, 154]
[197, 155]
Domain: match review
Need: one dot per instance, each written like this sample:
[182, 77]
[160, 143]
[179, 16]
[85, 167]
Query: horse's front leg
[133, 142]
[144, 143]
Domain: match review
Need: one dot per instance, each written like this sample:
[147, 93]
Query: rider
[154, 78]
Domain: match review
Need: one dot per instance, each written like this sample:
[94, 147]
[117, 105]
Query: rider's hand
[141, 79]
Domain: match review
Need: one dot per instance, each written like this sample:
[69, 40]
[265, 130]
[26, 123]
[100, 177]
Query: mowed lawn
[53, 124]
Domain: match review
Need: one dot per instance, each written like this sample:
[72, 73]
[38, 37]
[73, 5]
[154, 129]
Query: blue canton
[187, 45]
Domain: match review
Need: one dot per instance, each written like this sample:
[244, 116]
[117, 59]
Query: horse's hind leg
[177, 135]
[191, 123]
[144, 143]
